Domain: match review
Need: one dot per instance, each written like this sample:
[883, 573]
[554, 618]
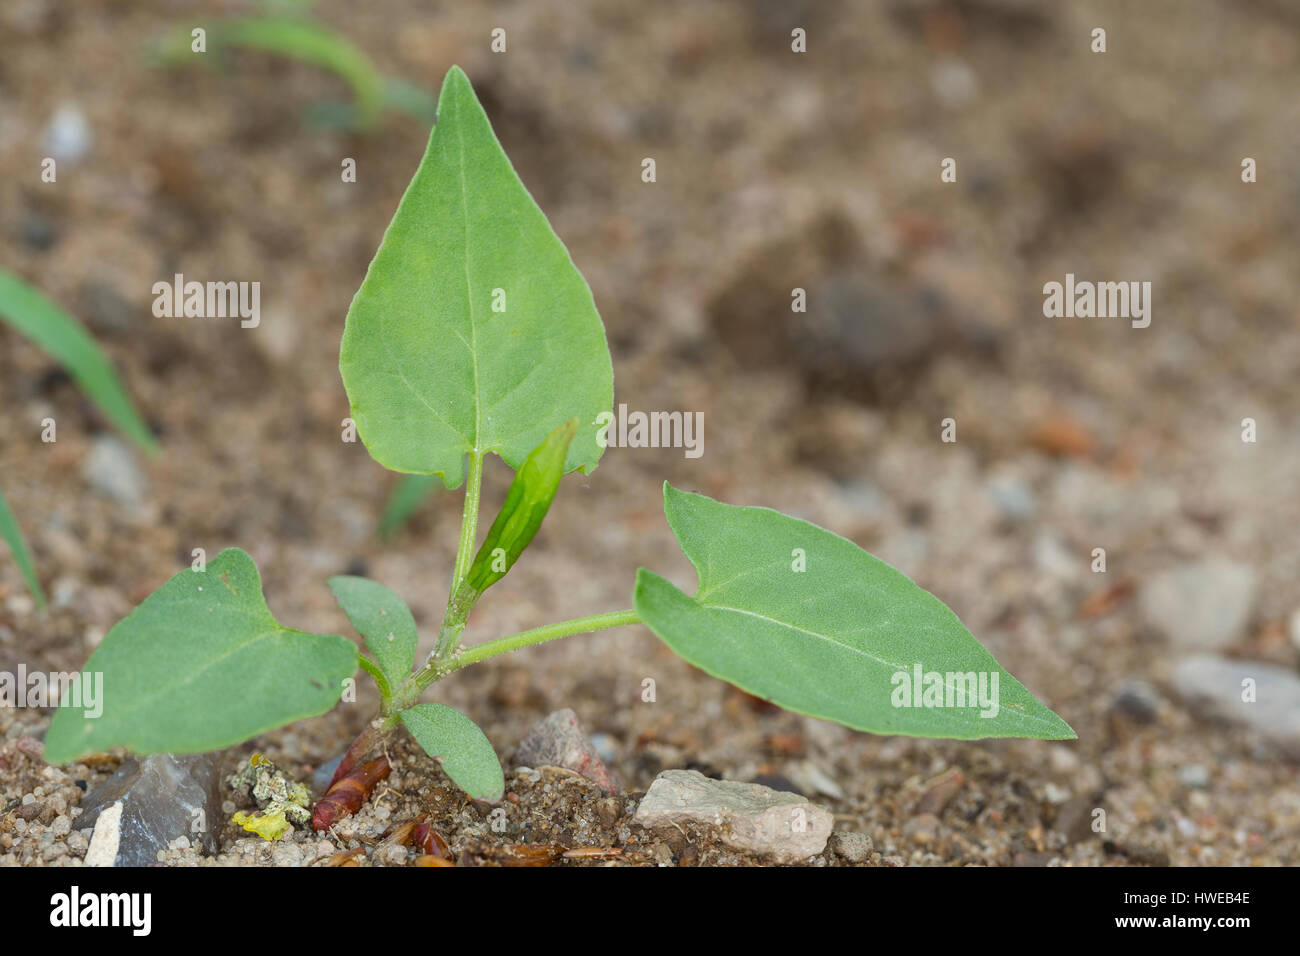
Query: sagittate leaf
[383, 619]
[14, 538]
[473, 331]
[63, 337]
[526, 504]
[466, 754]
[201, 665]
[793, 613]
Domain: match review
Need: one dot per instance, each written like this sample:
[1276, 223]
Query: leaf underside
[202, 665]
[431, 370]
[826, 641]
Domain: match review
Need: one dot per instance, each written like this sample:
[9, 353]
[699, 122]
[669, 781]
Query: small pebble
[851, 846]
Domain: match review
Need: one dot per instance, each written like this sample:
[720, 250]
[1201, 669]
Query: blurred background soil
[775, 170]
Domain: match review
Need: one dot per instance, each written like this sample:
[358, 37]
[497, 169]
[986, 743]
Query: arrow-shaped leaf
[200, 665]
[793, 613]
[473, 331]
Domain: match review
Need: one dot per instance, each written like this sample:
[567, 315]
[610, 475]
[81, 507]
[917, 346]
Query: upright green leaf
[404, 501]
[63, 337]
[473, 330]
[202, 665]
[465, 753]
[14, 538]
[383, 619]
[793, 613]
[526, 504]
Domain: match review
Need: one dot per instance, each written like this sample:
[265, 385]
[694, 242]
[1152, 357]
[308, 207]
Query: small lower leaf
[200, 665]
[383, 619]
[466, 754]
[793, 613]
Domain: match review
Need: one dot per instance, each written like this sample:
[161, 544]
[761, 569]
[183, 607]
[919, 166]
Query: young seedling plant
[473, 334]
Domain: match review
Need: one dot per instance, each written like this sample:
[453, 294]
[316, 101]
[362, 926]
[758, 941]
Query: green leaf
[465, 753]
[295, 38]
[202, 665]
[431, 370]
[404, 501]
[826, 641]
[63, 337]
[383, 619]
[526, 504]
[14, 538]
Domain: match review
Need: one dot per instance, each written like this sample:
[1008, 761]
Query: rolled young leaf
[526, 504]
[200, 665]
[383, 619]
[457, 742]
[793, 613]
[473, 331]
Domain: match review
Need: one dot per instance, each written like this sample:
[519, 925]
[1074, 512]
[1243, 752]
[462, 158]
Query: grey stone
[1212, 687]
[1011, 496]
[860, 326]
[1202, 606]
[784, 827]
[1194, 775]
[1137, 701]
[559, 741]
[68, 137]
[852, 846]
[111, 468]
[148, 803]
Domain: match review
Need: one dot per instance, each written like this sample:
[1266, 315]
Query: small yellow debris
[269, 826]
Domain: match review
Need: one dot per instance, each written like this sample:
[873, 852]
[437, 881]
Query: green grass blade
[64, 338]
[14, 538]
[405, 500]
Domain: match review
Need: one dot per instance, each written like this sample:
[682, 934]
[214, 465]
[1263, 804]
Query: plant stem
[459, 602]
[538, 635]
[385, 692]
[468, 523]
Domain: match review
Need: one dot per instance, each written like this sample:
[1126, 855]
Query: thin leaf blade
[13, 537]
[465, 752]
[383, 619]
[826, 641]
[406, 498]
[432, 370]
[63, 337]
[202, 665]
